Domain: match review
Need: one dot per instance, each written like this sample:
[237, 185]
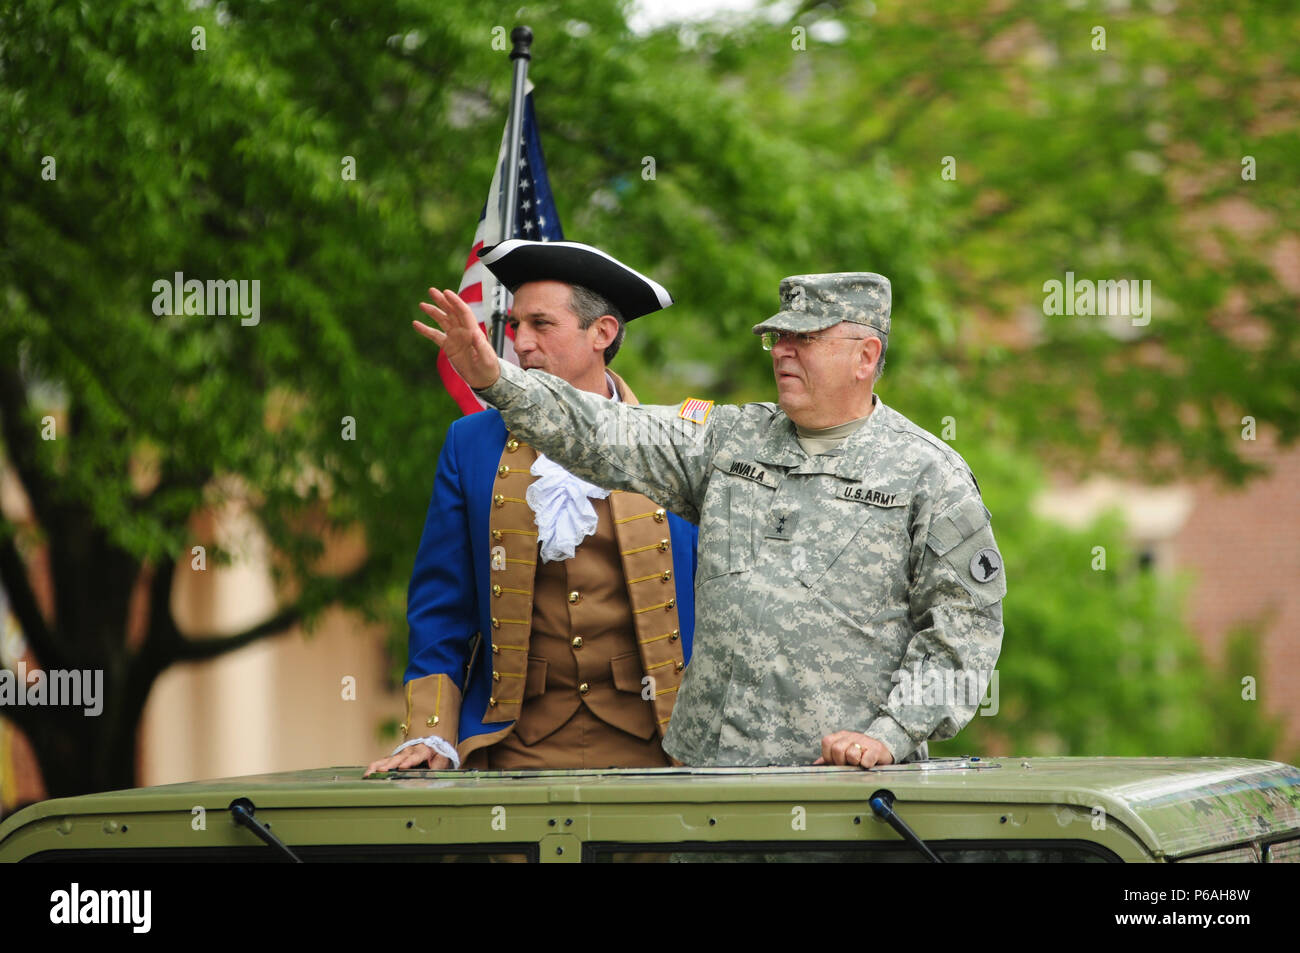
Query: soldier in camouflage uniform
[849, 587]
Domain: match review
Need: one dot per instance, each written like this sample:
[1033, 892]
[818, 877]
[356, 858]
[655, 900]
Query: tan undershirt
[827, 439]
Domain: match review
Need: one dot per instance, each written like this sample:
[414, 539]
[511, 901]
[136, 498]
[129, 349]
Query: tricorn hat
[519, 261]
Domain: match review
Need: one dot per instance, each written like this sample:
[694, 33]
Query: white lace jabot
[561, 505]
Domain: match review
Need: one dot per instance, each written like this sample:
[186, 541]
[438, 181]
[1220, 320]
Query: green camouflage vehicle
[950, 810]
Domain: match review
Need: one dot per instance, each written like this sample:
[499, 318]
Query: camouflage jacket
[836, 592]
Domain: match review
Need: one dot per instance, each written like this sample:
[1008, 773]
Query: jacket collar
[849, 461]
[624, 392]
[779, 447]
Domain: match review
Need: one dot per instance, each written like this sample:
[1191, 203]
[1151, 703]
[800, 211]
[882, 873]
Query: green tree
[1098, 658]
[1164, 157]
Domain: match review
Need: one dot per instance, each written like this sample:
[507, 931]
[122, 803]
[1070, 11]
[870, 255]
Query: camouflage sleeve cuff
[506, 390]
[893, 736]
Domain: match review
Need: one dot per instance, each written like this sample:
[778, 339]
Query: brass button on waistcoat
[584, 688]
[496, 649]
[669, 604]
[512, 445]
[678, 666]
[497, 534]
[503, 470]
[433, 721]
[403, 727]
[673, 636]
[663, 545]
[492, 703]
[496, 624]
[659, 516]
[496, 590]
[575, 597]
[499, 500]
[577, 642]
[496, 676]
[668, 574]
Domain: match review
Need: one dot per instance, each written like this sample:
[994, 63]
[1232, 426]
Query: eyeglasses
[801, 339]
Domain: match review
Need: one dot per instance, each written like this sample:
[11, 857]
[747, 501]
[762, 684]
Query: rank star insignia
[985, 565]
[780, 525]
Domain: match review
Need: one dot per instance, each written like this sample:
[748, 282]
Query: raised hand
[463, 341]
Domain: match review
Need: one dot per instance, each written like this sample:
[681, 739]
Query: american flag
[695, 410]
[535, 219]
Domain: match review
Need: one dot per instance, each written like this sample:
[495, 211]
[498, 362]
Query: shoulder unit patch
[985, 564]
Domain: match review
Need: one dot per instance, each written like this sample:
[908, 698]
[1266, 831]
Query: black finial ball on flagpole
[522, 37]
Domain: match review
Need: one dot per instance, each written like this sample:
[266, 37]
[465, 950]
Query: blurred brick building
[1242, 547]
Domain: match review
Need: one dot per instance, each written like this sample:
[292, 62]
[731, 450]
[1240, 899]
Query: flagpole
[522, 38]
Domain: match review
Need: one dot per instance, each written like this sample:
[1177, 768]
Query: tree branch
[162, 635]
[18, 587]
[21, 449]
[191, 650]
[23, 717]
[907, 117]
[173, 479]
[194, 650]
[912, 110]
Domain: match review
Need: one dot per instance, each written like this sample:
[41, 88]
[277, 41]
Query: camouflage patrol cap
[814, 302]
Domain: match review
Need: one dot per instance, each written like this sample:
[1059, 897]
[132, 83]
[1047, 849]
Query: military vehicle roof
[1175, 806]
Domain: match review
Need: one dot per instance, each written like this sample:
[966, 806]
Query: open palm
[461, 338]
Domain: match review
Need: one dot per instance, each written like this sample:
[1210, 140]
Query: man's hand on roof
[854, 748]
[416, 756]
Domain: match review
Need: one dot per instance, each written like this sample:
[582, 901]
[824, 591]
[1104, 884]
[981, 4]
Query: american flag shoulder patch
[695, 410]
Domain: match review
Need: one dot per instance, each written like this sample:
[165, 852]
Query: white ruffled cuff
[440, 746]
